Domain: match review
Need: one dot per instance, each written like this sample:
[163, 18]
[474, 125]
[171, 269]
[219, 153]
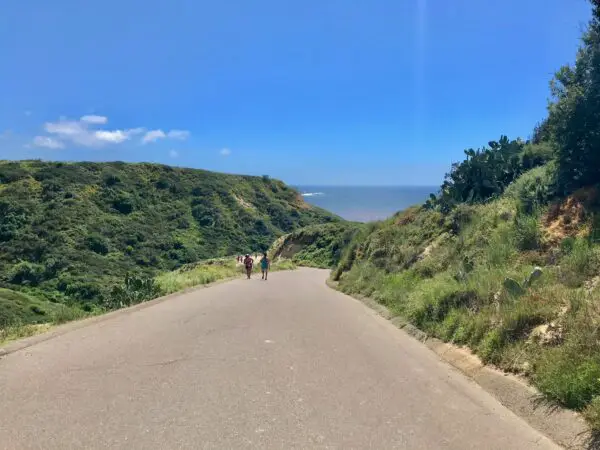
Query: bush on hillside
[485, 173]
[528, 235]
[97, 243]
[26, 273]
[133, 290]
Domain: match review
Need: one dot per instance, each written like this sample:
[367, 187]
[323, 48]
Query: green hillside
[72, 231]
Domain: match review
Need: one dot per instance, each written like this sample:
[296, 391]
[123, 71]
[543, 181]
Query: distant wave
[312, 194]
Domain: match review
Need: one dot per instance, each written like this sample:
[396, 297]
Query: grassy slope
[70, 232]
[22, 315]
[446, 273]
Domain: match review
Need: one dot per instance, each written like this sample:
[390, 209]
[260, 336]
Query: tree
[484, 173]
[574, 116]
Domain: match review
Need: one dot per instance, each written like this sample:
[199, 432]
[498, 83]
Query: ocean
[365, 203]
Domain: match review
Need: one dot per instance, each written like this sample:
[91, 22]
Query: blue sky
[378, 92]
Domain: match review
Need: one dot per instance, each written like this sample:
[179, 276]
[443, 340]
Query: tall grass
[580, 261]
[528, 235]
[184, 278]
[19, 331]
[60, 314]
[209, 272]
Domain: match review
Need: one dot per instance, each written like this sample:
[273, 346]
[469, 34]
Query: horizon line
[364, 185]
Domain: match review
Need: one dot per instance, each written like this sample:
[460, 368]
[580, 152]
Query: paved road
[283, 364]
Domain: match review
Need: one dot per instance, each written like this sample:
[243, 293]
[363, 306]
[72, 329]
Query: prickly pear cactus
[513, 287]
[534, 275]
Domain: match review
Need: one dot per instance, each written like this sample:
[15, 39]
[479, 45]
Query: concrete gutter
[563, 426]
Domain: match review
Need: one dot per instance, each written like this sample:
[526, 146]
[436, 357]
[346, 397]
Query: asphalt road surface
[282, 364]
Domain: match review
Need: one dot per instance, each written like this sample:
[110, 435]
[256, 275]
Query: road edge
[59, 330]
[565, 427]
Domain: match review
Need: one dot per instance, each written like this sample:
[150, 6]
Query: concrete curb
[59, 330]
[563, 426]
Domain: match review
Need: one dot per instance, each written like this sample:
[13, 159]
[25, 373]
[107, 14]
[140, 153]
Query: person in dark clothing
[248, 263]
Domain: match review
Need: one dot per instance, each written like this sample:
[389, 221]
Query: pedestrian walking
[248, 263]
[265, 265]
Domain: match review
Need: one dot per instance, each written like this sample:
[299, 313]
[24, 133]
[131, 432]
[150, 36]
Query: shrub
[431, 300]
[484, 174]
[451, 325]
[490, 347]
[12, 172]
[520, 317]
[133, 290]
[123, 203]
[81, 290]
[579, 263]
[64, 313]
[97, 244]
[592, 414]
[533, 190]
[27, 273]
[527, 232]
[567, 245]
[568, 377]
[37, 310]
[162, 184]
[500, 248]
[393, 289]
[183, 223]
[538, 154]
[111, 179]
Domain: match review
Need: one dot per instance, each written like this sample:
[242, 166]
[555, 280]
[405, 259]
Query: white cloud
[225, 152]
[153, 136]
[48, 142]
[95, 120]
[178, 134]
[173, 153]
[86, 132]
[115, 137]
[78, 132]
[65, 128]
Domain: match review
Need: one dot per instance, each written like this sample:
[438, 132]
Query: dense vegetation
[487, 172]
[575, 113]
[317, 245]
[82, 234]
[505, 259]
